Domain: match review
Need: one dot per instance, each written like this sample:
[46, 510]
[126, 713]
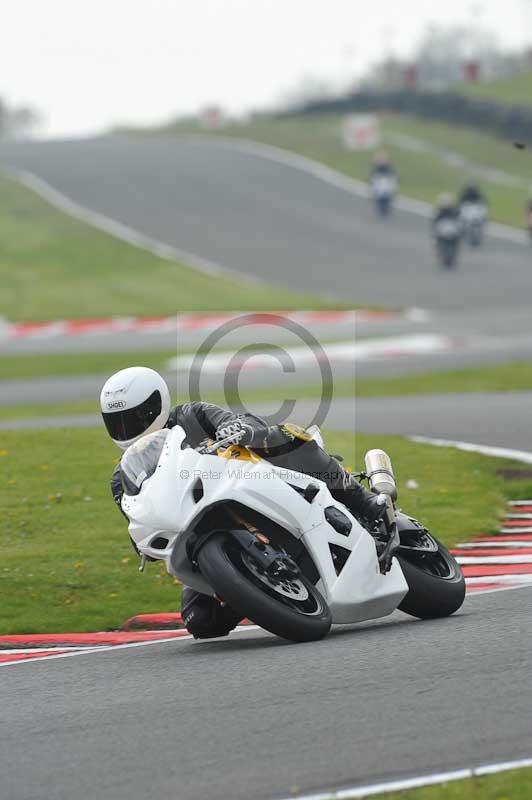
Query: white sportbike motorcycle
[274, 544]
[474, 217]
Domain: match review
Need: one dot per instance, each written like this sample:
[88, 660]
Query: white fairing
[448, 228]
[473, 213]
[384, 185]
[165, 509]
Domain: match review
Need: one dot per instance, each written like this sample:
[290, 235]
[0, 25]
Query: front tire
[447, 253]
[436, 586]
[299, 615]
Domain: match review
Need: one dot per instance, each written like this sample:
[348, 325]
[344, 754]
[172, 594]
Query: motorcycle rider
[383, 182]
[474, 213]
[446, 207]
[136, 401]
[472, 194]
[447, 229]
[382, 165]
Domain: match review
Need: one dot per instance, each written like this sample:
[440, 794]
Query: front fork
[393, 540]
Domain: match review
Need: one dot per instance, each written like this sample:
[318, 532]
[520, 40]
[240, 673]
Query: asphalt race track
[278, 223]
[251, 716]
[498, 419]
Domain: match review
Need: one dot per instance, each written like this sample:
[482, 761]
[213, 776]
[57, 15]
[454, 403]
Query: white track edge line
[470, 547]
[507, 531]
[518, 516]
[487, 450]
[494, 559]
[106, 648]
[122, 231]
[417, 781]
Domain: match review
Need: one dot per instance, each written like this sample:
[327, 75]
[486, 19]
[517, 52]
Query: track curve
[262, 217]
[251, 714]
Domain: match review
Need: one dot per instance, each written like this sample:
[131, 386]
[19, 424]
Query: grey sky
[89, 64]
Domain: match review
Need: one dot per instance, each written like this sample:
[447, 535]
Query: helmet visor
[125, 425]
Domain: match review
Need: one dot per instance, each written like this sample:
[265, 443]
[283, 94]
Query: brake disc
[292, 588]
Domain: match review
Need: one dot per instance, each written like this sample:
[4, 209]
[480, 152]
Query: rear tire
[475, 238]
[436, 584]
[231, 574]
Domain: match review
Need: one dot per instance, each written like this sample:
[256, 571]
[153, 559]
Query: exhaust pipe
[380, 473]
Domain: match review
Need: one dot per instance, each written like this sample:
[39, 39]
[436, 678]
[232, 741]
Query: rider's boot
[206, 617]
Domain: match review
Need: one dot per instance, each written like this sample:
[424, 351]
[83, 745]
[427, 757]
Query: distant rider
[474, 214]
[447, 230]
[382, 165]
[472, 194]
[383, 183]
[136, 401]
[446, 209]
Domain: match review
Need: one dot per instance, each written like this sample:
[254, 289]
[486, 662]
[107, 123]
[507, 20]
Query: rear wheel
[288, 607]
[475, 236]
[436, 586]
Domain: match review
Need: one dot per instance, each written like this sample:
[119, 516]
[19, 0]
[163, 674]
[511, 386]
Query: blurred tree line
[429, 83]
[509, 121]
[17, 122]
[444, 58]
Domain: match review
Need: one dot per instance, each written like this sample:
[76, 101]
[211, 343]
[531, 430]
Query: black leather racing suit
[378, 170]
[472, 195]
[203, 615]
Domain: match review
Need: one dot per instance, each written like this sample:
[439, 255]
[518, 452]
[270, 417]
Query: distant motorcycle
[474, 217]
[383, 189]
[447, 234]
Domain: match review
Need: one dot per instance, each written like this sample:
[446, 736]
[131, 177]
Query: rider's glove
[236, 431]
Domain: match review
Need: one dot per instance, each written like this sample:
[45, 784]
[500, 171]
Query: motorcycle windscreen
[140, 460]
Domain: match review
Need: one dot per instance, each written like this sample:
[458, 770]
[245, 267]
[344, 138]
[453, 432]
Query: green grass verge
[497, 378]
[66, 559]
[72, 364]
[517, 89]
[52, 267]
[422, 175]
[512, 785]
[38, 410]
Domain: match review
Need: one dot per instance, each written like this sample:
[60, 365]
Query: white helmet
[134, 402]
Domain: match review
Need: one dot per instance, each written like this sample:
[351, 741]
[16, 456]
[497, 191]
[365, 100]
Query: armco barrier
[512, 122]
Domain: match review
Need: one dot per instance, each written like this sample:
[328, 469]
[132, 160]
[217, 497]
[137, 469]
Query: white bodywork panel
[165, 508]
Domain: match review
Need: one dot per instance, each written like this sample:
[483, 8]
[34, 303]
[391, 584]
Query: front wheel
[383, 206]
[436, 586]
[290, 608]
